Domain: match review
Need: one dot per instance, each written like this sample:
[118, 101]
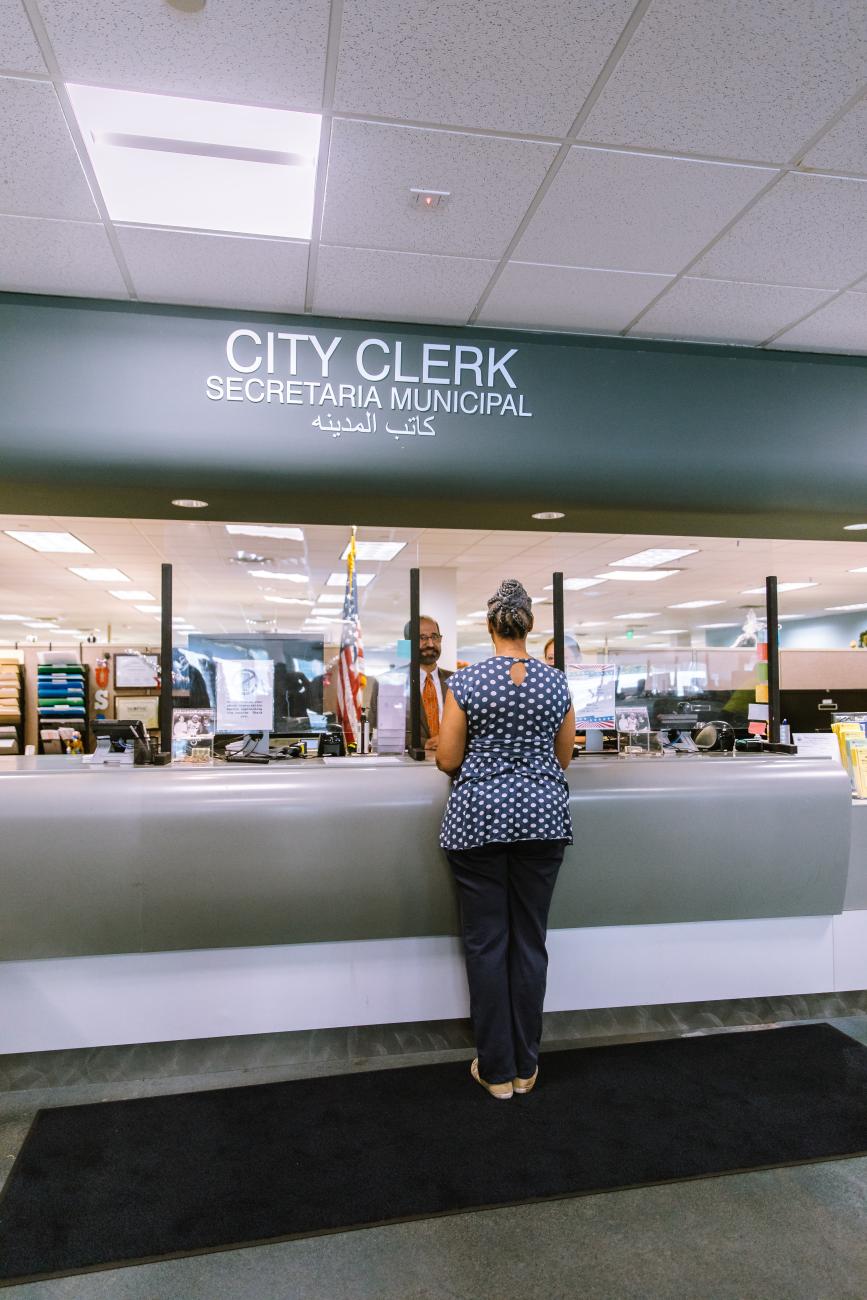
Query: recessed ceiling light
[781, 586]
[654, 555]
[266, 530]
[91, 574]
[162, 160]
[656, 615]
[61, 543]
[705, 626]
[854, 528]
[281, 577]
[696, 604]
[668, 631]
[43, 623]
[578, 584]
[13, 618]
[637, 575]
[150, 609]
[132, 595]
[549, 514]
[861, 570]
[288, 600]
[374, 550]
[339, 579]
[863, 605]
[329, 598]
[785, 617]
[189, 503]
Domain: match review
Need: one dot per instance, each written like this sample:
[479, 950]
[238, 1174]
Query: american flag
[350, 668]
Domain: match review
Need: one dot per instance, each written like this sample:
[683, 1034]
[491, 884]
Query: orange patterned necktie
[431, 708]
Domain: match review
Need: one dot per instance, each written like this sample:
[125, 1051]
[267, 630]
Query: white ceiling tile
[722, 311]
[807, 230]
[372, 168]
[557, 297]
[19, 51]
[735, 78]
[40, 175]
[634, 212]
[269, 53]
[62, 257]
[844, 148]
[839, 327]
[508, 67]
[215, 270]
[398, 286]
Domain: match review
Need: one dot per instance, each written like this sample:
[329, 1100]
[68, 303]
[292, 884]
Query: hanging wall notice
[245, 694]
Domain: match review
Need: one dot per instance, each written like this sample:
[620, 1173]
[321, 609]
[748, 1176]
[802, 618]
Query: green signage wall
[116, 408]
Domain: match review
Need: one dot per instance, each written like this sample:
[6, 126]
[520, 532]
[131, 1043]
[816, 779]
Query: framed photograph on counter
[136, 671]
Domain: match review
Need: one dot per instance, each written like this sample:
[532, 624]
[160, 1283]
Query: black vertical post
[773, 661]
[166, 658]
[415, 746]
[559, 625]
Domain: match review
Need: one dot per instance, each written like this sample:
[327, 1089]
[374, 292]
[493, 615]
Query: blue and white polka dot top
[510, 785]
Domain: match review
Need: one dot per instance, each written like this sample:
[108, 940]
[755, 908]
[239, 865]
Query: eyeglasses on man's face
[429, 636]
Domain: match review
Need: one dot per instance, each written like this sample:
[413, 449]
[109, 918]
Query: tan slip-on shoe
[526, 1085]
[502, 1091]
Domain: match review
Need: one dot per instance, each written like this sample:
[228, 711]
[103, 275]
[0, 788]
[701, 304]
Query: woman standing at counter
[506, 736]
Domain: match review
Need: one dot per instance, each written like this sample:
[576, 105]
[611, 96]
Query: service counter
[156, 859]
[336, 862]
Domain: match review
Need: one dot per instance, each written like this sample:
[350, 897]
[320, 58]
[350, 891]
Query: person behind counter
[432, 680]
[506, 736]
[570, 645]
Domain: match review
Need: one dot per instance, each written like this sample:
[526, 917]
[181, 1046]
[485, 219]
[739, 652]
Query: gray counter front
[99, 861]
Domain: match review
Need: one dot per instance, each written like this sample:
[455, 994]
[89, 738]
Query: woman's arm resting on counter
[564, 741]
[453, 736]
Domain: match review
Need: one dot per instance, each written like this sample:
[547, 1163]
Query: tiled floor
[783, 1234]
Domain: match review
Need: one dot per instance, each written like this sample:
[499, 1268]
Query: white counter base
[159, 997]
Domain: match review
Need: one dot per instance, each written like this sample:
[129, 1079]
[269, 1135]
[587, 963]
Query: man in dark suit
[434, 682]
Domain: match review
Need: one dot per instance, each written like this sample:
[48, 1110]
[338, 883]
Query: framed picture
[136, 670]
[144, 707]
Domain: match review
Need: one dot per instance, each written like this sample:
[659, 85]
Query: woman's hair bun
[510, 610]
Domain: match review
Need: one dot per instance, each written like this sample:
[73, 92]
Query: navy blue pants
[505, 892]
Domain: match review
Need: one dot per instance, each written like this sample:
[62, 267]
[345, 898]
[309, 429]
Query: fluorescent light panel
[655, 555]
[132, 595]
[656, 615]
[578, 584]
[840, 608]
[266, 530]
[281, 577]
[374, 550]
[13, 618]
[91, 574]
[162, 160]
[60, 543]
[150, 609]
[637, 575]
[288, 600]
[339, 579]
[781, 586]
[329, 598]
[696, 604]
